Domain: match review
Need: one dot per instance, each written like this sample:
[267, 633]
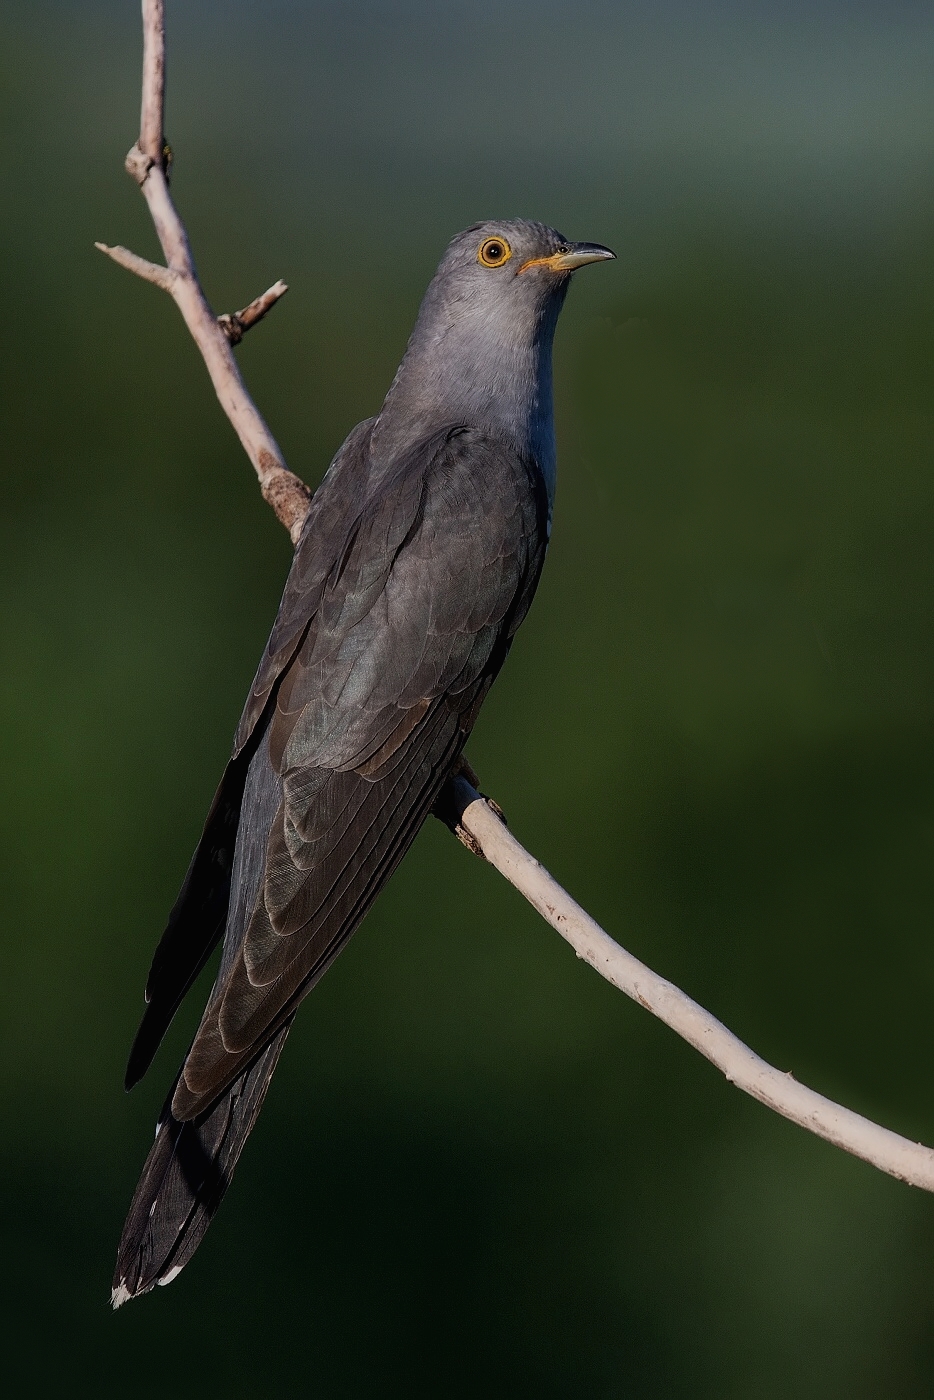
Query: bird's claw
[448, 809]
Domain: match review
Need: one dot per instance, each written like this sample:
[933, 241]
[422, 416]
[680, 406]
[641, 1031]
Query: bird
[417, 562]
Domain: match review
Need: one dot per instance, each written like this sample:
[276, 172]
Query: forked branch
[474, 819]
[148, 162]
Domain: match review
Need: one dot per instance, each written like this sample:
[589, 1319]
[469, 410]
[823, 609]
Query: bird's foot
[449, 806]
[464, 769]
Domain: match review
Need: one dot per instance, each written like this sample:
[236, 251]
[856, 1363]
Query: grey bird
[417, 562]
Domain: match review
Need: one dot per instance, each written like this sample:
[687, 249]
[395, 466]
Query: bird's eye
[563, 248]
[494, 252]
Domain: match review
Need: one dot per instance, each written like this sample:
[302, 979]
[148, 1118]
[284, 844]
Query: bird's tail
[186, 1174]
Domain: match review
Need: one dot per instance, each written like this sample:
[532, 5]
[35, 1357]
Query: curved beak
[579, 254]
[575, 256]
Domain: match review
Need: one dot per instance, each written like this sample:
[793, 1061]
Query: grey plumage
[417, 562]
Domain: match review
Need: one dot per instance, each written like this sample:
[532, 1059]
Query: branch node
[232, 326]
[471, 842]
[138, 164]
[285, 492]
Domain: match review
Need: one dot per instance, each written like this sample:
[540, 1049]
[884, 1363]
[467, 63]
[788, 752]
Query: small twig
[476, 820]
[909, 1161]
[149, 271]
[235, 324]
[147, 162]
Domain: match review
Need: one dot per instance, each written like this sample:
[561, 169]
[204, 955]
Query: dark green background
[480, 1170]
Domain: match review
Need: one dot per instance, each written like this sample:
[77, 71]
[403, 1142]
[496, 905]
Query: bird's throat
[460, 368]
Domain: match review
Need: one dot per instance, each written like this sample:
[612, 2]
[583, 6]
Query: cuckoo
[417, 563]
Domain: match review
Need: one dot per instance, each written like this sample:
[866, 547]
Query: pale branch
[147, 162]
[474, 816]
[476, 821]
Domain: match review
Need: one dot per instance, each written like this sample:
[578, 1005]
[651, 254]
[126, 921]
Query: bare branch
[149, 271]
[152, 108]
[909, 1161]
[147, 163]
[236, 323]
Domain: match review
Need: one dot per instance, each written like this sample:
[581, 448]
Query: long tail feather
[186, 1174]
[191, 1164]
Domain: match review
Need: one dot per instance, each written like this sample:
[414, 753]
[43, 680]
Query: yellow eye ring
[494, 252]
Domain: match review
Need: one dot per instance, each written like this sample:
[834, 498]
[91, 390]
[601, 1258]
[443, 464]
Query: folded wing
[399, 639]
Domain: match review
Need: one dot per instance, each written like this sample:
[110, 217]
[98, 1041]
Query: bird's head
[480, 353]
[512, 272]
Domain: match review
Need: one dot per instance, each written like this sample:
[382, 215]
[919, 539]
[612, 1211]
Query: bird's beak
[575, 256]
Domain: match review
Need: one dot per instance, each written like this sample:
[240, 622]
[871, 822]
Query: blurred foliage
[480, 1170]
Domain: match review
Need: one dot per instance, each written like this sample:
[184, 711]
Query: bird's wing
[398, 648]
[333, 508]
[196, 922]
[199, 915]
